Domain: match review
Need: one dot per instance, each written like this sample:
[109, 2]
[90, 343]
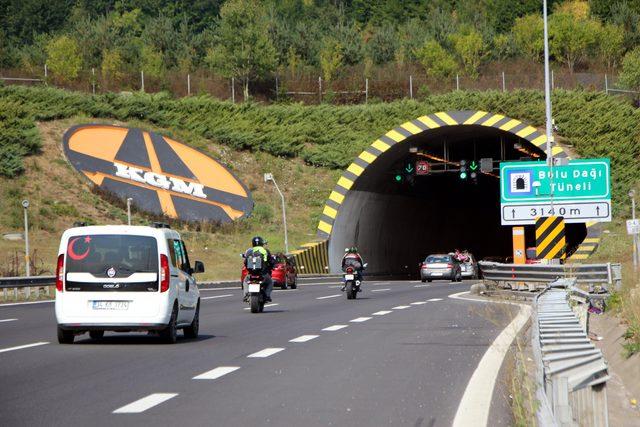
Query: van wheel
[96, 335]
[170, 333]
[65, 337]
[191, 331]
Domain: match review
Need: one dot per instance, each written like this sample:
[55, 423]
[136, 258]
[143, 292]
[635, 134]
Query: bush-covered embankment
[328, 136]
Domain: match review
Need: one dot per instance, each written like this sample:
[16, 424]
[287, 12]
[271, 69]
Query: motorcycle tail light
[349, 270]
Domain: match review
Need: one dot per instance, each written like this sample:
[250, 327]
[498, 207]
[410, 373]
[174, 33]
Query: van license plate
[110, 305]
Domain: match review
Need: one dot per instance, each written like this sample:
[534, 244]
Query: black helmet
[257, 241]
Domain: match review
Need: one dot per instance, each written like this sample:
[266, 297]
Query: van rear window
[112, 255]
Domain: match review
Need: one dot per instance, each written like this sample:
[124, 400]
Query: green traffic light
[463, 175]
[398, 177]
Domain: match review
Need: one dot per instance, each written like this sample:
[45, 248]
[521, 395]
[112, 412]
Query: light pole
[269, 177]
[25, 206]
[547, 99]
[129, 200]
[632, 194]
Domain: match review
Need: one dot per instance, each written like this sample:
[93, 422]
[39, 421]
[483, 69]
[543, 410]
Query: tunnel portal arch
[348, 189]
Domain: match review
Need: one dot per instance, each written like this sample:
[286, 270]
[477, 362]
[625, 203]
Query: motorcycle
[256, 285]
[352, 282]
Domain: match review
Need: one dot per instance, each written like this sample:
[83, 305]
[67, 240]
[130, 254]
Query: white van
[125, 278]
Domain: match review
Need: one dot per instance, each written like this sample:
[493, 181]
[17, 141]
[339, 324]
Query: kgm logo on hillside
[161, 175]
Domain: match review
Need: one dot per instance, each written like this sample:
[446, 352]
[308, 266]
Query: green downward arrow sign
[409, 168]
[473, 166]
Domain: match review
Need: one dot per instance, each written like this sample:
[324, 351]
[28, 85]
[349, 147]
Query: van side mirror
[198, 267]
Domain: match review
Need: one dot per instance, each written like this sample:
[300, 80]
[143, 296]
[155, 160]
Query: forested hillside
[252, 40]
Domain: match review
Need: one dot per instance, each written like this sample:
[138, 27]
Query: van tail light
[59, 272]
[164, 273]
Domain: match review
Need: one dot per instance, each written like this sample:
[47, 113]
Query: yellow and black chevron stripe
[551, 242]
[414, 127]
[589, 244]
[312, 258]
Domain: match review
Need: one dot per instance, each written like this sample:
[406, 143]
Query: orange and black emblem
[161, 175]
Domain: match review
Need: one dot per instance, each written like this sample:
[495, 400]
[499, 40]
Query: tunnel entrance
[396, 217]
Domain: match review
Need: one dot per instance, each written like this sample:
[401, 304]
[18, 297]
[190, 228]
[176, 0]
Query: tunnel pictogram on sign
[162, 176]
[550, 238]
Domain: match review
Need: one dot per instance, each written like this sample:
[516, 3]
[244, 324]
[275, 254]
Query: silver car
[469, 267]
[440, 266]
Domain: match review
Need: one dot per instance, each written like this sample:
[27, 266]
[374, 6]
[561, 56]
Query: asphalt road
[401, 354]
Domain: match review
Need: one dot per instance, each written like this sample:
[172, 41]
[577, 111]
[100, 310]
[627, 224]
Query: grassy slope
[59, 196]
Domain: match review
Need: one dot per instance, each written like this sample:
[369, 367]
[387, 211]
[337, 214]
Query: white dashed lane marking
[335, 328]
[145, 403]
[266, 352]
[304, 338]
[216, 373]
[217, 296]
[7, 320]
[401, 307]
[20, 347]
[421, 286]
[360, 319]
[268, 305]
[329, 296]
[380, 290]
[418, 303]
[434, 299]
[381, 313]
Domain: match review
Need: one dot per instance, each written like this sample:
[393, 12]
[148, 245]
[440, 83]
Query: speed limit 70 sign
[422, 167]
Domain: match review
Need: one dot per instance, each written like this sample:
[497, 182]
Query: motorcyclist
[352, 258]
[258, 247]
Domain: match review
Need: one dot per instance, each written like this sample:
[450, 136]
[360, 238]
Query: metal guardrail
[512, 274]
[572, 372]
[26, 282]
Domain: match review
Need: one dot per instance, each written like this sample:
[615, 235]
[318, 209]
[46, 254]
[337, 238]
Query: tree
[611, 44]
[571, 38]
[151, 62]
[528, 35]
[630, 75]
[436, 61]
[330, 58]
[470, 49]
[63, 58]
[382, 45]
[243, 49]
[112, 65]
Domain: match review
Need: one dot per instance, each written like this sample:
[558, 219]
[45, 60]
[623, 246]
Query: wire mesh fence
[309, 88]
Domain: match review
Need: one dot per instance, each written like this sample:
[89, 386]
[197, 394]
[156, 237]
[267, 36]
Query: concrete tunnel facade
[396, 224]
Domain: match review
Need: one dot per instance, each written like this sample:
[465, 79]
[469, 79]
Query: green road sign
[580, 180]
[579, 191]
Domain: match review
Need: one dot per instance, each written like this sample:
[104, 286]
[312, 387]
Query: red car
[284, 274]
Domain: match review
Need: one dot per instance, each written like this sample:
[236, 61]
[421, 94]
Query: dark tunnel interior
[397, 223]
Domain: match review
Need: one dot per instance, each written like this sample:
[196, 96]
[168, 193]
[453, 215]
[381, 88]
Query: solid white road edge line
[381, 313]
[7, 320]
[304, 338]
[329, 296]
[401, 307]
[145, 403]
[217, 296]
[26, 303]
[476, 401]
[418, 303]
[20, 347]
[266, 352]
[360, 319]
[216, 373]
[335, 328]
[380, 290]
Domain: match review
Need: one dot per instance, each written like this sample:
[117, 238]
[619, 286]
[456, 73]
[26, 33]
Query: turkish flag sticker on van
[162, 176]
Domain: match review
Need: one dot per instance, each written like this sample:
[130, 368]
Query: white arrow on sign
[524, 214]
